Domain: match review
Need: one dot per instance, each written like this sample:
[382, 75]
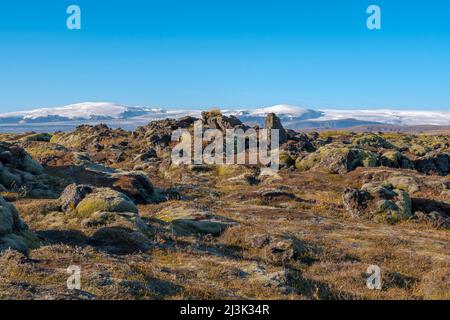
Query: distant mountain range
[292, 117]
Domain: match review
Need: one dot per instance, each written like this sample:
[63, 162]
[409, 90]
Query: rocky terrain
[111, 202]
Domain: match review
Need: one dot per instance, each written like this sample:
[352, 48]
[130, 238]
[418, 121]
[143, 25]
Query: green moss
[55, 137]
[372, 140]
[308, 162]
[286, 160]
[230, 170]
[391, 159]
[368, 159]
[106, 200]
[418, 150]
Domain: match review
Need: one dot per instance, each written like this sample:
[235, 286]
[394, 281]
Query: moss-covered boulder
[419, 150]
[373, 141]
[378, 202]
[187, 221]
[405, 183]
[392, 159]
[14, 232]
[17, 167]
[337, 159]
[286, 161]
[41, 137]
[105, 200]
[118, 232]
[434, 163]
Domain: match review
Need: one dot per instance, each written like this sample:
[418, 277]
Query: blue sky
[229, 53]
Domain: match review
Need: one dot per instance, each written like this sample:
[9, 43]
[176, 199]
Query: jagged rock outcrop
[215, 120]
[273, 122]
[159, 133]
[92, 138]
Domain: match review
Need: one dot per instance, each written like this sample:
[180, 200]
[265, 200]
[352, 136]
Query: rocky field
[111, 202]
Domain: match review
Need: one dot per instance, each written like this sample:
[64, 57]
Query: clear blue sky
[237, 53]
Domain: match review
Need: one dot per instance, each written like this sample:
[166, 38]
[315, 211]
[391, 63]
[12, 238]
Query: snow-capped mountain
[88, 111]
[292, 116]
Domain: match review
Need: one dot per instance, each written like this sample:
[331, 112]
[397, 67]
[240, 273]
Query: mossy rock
[404, 183]
[105, 200]
[380, 202]
[14, 232]
[286, 161]
[228, 170]
[391, 159]
[187, 221]
[368, 159]
[372, 140]
[337, 159]
[41, 137]
[9, 179]
[31, 166]
[308, 162]
[419, 150]
[55, 137]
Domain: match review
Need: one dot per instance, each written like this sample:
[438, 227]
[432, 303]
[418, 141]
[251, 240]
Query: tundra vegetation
[140, 227]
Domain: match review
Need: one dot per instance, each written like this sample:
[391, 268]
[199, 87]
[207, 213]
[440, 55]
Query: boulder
[284, 250]
[419, 150]
[118, 240]
[391, 159]
[14, 232]
[73, 195]
[337, 159]
[404, 183]
[135, 185]
[18, 170]
[373, 141]
[186, 221]
[118, 232]
[15, 157]
[378, 202]
[146, 155]
[105, 199]
[40, 137]
[298, 144]
[434, 164]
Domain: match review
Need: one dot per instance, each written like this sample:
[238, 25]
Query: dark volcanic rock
[72, 196]
[137, 186]
[159, 133]
[434, 164]
[378, 202]
[273, 122]
[215, 120]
